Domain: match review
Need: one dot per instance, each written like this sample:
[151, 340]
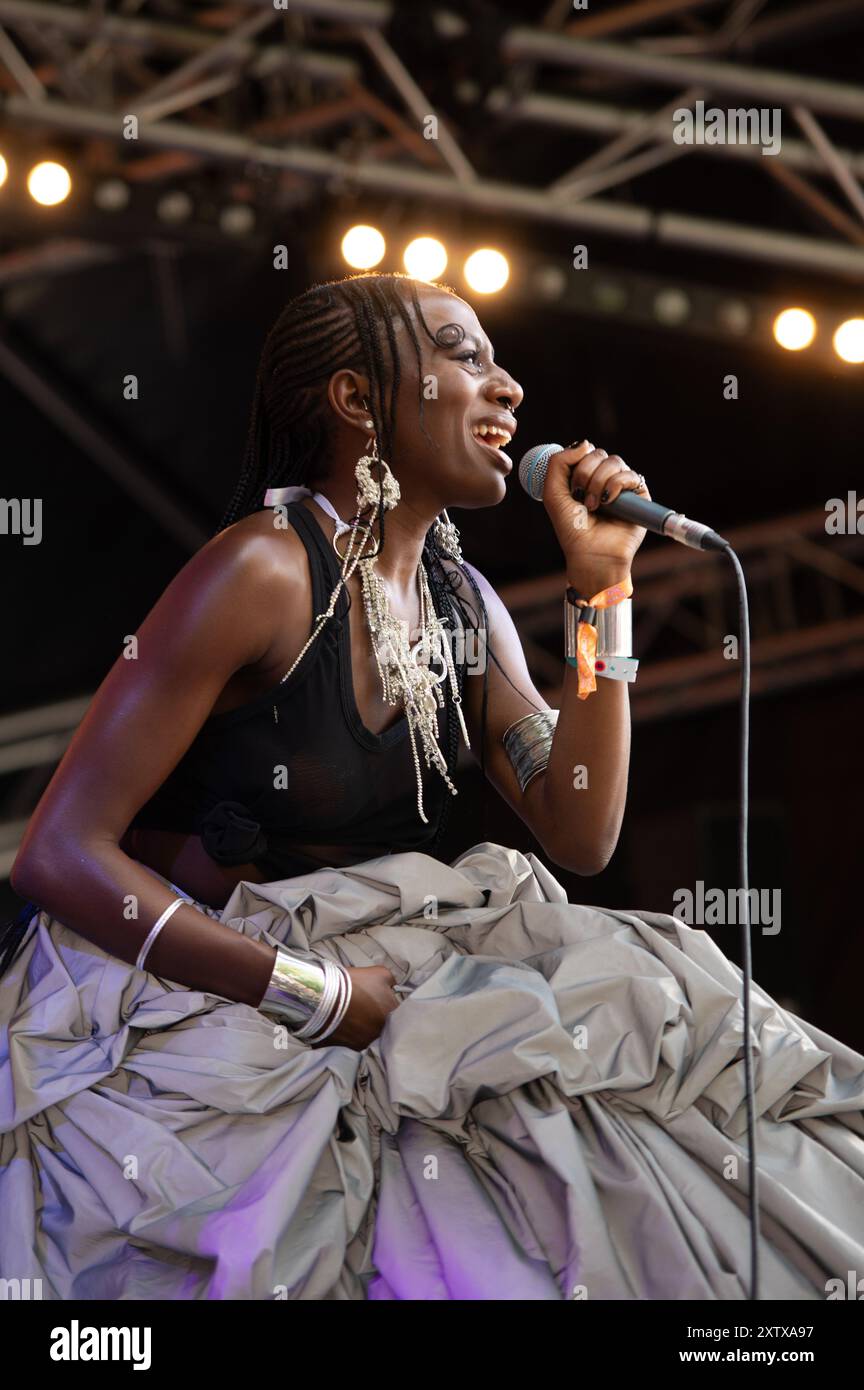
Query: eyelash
[464, 356]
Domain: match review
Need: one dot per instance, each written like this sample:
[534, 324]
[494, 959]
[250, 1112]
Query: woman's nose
[506, 390]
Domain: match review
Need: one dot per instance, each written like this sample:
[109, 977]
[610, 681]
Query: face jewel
[449, 335]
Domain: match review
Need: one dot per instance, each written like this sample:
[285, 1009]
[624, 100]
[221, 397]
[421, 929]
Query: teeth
[491, 432]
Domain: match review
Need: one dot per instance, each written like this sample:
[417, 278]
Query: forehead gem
[450, 334]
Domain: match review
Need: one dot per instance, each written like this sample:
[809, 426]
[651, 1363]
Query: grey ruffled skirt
[555, 1110]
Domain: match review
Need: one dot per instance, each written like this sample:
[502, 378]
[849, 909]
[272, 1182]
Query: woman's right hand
[372, 999]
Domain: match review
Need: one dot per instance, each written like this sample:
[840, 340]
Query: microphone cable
[665, 522]
[744, 924]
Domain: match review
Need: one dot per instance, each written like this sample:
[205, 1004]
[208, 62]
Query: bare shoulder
[247, 563]
[261, 545]
[229, 600]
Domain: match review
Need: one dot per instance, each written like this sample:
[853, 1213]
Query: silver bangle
[528, 744]
[295, 989]
[155, 930]
[332, 992]
[342, 1010]
[306, 993]
[343, 986]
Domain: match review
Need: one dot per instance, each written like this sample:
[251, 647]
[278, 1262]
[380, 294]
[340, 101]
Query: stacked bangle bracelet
[303, 994]
[307, 993]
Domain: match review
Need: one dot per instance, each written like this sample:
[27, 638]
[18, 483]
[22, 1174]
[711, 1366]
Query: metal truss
[254, 87]
[806, 591]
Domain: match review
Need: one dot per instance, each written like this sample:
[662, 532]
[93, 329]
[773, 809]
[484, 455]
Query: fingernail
[591, 501]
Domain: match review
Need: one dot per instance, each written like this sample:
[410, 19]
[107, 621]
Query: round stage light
[795, 329]
[671, 306]
[112, 195]
[48, 183]
[237, 220]
[175, 206]
[363, 247]
[849, 340]
[609, 296]
[425, 258]
[4, 171]
[487, 271]
[550, 282]
[734, 315]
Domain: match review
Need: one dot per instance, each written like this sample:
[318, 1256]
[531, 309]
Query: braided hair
[338, 324]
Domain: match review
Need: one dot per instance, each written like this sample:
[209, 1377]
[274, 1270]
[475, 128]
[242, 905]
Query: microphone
[628, 506]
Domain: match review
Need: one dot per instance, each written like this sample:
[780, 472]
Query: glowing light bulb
[425, 258]
[363, 247]
[48, 183]
[849, 340]
[4, 171]
[487, 271]
[795, 329]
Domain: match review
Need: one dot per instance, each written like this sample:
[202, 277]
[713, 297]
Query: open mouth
[493, 438]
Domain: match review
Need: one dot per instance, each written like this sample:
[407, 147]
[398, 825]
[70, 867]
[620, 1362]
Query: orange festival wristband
[585, 658]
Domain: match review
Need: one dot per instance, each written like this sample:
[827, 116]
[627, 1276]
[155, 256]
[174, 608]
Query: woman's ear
[348, 394]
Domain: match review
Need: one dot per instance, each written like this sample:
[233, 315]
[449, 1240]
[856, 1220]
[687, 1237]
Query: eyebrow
[481, 343]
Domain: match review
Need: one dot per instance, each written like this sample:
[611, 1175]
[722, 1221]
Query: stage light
[795, 329]
[486, 271]
[237, 220]
[849, 340]
[734, 315]
[4, 170]
[609, 296]
[671, 306]
[48, 183]
[550, 282]
[174, 207]
[425, 258]
[112, 195]
[363, 247]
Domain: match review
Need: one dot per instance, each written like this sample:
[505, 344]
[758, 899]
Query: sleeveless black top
[253, 786]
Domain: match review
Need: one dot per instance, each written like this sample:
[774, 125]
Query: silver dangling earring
[369, 489]
[447, 538]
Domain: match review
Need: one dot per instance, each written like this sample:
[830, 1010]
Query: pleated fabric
[555, 1111]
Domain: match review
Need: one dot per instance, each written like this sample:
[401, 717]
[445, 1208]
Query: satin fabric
[555, 1110]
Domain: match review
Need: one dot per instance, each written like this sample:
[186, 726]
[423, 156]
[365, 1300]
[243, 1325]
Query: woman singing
[260, 1041]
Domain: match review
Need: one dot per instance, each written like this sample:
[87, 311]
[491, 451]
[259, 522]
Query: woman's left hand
[598, 549]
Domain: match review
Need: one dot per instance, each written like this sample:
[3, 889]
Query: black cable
[744, 875]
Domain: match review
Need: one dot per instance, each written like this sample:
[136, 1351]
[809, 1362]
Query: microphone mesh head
[532, 469]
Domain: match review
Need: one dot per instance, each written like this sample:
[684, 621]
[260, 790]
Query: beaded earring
[447, 537]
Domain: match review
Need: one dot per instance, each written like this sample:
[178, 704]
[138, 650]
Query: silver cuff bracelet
[614, 629]
[528, 743]
[296, 988]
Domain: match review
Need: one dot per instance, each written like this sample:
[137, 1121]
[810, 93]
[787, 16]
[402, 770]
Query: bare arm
[576, 805]
[218, 615]
[578, 827]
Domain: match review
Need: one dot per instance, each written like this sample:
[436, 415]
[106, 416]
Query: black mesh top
[256, 790]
